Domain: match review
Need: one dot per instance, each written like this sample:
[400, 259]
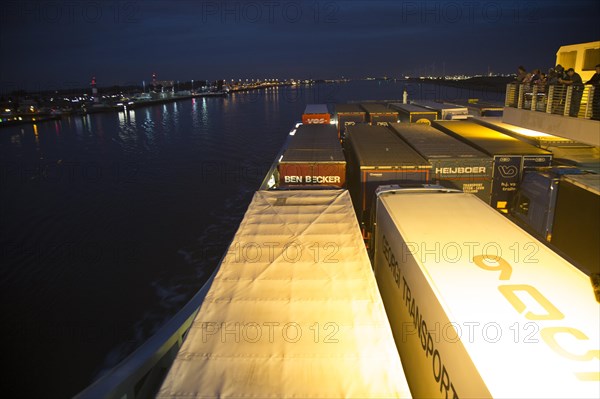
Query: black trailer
[562, 205]
[444, 111]
[454, 164]
[409, 113]
[376, 156]
[348, 114]
[575, 230]
[379, 114]
[511, 156]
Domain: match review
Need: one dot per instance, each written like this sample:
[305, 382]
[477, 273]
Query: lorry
[511, 156]
[565, 152]
[316, 114]
[444, 111]
[348, 114]
[379, 114]
[454, 164]
[293, 311]
[478, 307]
[410, 113]
[562, 205]
[377, 156]
[313, 157]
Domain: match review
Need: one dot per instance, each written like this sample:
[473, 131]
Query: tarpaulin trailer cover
[294, 310]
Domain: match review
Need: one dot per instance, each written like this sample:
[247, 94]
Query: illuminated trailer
[348, 114]
[293, 311]
[479, 308]
[564, 151]
[511, 156]
[313, 157]
[316, 114]
[454, 164]
[409, 113]
[379, 114]
[376, 156]
[444, 111]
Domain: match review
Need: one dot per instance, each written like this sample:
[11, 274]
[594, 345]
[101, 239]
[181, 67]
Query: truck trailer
[293, 311]
[480, 308]
[565, 152]
[313, 157]
[511, 156]
[454, 164]
[379, 114]
[410, 113]
[348, 114]
[562, 205]
[376, 156]
[444, 111]
[316, 114]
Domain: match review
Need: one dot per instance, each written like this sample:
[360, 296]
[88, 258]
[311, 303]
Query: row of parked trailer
[456, 154]
[455, 301]
[493, 160]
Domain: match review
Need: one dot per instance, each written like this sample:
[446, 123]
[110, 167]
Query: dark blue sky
[63, 43]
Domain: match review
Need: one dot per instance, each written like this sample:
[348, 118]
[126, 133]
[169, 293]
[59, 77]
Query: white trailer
[479, 308]
[293, 312]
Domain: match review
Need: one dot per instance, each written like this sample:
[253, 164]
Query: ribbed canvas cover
[302, 312]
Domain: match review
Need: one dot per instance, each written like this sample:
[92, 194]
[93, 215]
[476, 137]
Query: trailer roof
[431, 143]
[308, 135]
[335, 155]
[316, 109]
[348, 108]
[411, 108]
[480, 105]
[541, 288]
[375, 108]
[312, 143]
[533, 137]
[587, 158]
[488, 140]
[298, 286]
[439, 106]
[378, 146]
[590, 182]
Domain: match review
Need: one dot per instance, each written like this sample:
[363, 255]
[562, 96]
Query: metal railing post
[521, 96]
[568, 101]
[550, 99]
[534, 98]
[590, 99]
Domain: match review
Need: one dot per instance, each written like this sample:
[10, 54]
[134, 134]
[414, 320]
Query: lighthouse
[94, 90]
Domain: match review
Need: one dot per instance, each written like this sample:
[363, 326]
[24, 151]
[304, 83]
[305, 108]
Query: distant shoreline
[495, 84]
[488, 83]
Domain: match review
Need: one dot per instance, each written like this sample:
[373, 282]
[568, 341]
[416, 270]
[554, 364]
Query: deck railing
[566, 100]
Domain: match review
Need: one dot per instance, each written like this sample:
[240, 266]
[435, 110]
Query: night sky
[53, 44]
